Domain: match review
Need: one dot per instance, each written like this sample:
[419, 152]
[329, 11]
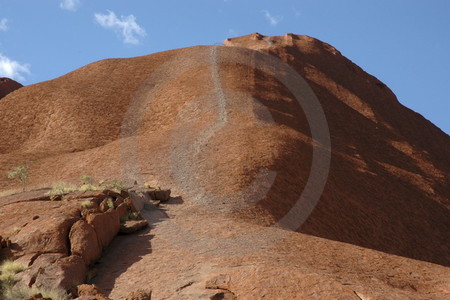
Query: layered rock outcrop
[57, 241]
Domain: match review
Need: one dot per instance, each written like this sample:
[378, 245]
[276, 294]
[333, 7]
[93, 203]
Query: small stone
[162, 195]
[131, 226]
[155, 202]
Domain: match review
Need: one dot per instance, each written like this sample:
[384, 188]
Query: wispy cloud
[13, 69]
[126, 26]
[273, 20]
[71, 5]
[3, 24]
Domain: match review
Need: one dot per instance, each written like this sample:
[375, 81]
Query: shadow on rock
[122, 253]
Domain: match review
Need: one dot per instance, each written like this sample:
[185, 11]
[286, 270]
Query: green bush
[85, 179]
[87, 204]
[8, 271]
[90, 187]
[131, 216]
[24, 292]
[116, 186]
[110, 203]
[61, 188]
[21, 174]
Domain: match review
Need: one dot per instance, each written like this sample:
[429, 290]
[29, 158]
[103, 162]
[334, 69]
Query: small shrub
[135, 216]
[131, 216]
[86, 180]
[8, 271]
[116, 185]
[87, 204]
[151, 186]
[88, 184]
[61, 188]
[24, 292]
[21, 174]
[148, 185]
[90, 187]
[8, 291]
[110, 203]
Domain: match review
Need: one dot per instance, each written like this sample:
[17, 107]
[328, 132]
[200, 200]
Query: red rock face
[206, 124]
[7, 86]
[388, 185]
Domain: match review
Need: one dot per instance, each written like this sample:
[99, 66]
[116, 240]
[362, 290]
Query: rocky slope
[250, 134]
[59, 238]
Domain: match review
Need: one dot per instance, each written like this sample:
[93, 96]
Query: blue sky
[405, 43]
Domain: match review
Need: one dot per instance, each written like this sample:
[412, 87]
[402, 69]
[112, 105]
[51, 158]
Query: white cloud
[71, 5]
[3, 24]
[273, 20]
[13, 69]
[126, 26]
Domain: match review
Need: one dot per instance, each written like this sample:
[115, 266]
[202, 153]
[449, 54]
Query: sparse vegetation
[21, 174]
[61, 188]
[9, 291]
[131, 216]
[87, 184]
[8, 271]
[90, 187]
[116, 185]
[151, 186]
[24, 292]
[110, 203]
[87, 204]
[85, 179]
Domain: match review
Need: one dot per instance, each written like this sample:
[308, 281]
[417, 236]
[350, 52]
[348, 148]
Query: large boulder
[65, 273]
[38, 226]
[84, 242]
[36, 264]
[122, 210]
[106, 226]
